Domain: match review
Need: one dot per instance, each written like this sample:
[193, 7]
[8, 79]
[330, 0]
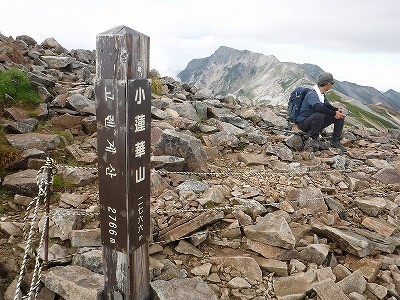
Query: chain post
[49, 174]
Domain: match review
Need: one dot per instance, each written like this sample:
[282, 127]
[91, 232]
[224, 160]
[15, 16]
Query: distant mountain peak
[263, 79]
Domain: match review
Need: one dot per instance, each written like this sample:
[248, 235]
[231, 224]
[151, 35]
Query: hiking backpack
[295, 101]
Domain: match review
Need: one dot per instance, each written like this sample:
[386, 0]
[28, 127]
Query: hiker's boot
[336, 144]
[315, 144]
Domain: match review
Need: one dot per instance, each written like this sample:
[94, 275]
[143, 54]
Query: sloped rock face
[238, 210]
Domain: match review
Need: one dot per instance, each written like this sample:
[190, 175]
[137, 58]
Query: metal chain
[42, 191]
[77, 167]
[199, 210]
[248, 173]
[42, 182]
[37, 272]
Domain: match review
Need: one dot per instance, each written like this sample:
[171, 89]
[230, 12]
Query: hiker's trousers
[315, 123]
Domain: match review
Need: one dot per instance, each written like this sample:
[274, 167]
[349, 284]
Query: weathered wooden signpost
[123, 142]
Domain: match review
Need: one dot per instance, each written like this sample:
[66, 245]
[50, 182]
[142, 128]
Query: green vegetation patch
[156, 87]
[61, 185]
[15, 86]
[7, 152]
[363, 116]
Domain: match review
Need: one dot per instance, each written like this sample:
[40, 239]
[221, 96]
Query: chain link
[77, 167]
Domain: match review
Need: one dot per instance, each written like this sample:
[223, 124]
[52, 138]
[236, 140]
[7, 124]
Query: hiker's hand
[343, 110]
[339, 115]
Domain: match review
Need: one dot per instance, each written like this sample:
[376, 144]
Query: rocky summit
[241, 208]
[258, 78]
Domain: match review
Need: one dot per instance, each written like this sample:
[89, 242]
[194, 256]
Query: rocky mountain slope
[240, 208]
[264, 79]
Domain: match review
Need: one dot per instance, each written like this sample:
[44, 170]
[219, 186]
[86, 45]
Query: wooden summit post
[123, 143]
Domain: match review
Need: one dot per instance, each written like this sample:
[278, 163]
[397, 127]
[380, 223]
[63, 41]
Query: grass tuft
[16, 89]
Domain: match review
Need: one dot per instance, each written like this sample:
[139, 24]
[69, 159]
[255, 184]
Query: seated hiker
[316, 113]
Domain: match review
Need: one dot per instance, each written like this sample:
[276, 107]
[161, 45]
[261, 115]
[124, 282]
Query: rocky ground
[240, 209]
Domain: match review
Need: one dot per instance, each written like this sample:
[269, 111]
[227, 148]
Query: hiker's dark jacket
[311, 105]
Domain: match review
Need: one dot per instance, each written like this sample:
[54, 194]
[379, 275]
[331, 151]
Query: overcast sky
[355, 40]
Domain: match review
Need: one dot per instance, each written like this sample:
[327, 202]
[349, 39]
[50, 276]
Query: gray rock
[296, 142]
[355, 282]
[58, 62]
[251, 207]
[193, 185]
[187, 248]
[328, 290]
[74, 282]
[271, 119]
[202, 270]
[247, 267]
[171, 271]
[295, 286]
[190, 225]
[182, 289]
[280, 150]
[352, 242]
[57, 253]
[273, 265]
[257, 138]
[222, 139]
[157, 184]
[315, 253]
[81, 104]
[22, 182]
[272, 230]
[22, 200]
[72, 199]
[167, 162]
[198, 238]
[23, 126]
[86, 238]
[91, 259]
[357, 296]
[51, 43]
[185, 110]
[238, 283]
[82, 156]
[39, 141]
[158, 114]
[213, 194]
[27, 39]
[82, 55]
[223, 126]
[42, 79]
[182, 145]
[251, 159]
[63, 222]
[44, 94]
[310, 198]
[377, 290]
[12, 228]
[372, 206]
[387, 176]
[78, 176]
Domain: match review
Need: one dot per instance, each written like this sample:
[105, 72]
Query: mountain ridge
[264, 79]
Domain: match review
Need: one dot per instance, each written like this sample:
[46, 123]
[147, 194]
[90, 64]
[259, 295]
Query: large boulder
[183, 145]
